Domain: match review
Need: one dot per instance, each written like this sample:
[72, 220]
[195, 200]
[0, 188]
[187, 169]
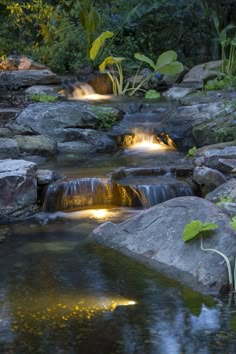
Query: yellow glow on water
[100, 213]
[93, 96]
[32, 316]
[150, 142]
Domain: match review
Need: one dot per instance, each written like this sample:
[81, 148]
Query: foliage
[195, 227]
[99, 43]
[166, 64]
[43, 98]
[198, 228]
[233, 222]
[105, 120]
[228, 46]
[224, 200]
[191, 152]
[36, 28]
[152, 94]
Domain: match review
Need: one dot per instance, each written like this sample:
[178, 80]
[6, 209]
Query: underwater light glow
[150, 142]
[99, 213]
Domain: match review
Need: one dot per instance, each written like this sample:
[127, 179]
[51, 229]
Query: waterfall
[87, 192]
[78, 193]
[78, 90]
[150, 195]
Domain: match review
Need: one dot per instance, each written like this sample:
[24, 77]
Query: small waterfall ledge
[126, 188]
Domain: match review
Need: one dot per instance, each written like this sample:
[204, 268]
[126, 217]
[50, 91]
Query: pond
[62, 293]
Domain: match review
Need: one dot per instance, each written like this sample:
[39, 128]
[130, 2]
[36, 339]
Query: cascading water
[104, 192]
[150, 195]
[78, 193]
[82, 91]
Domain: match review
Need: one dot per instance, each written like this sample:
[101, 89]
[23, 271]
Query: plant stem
[226, 260]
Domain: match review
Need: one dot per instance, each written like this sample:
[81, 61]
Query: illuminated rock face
[154, 236]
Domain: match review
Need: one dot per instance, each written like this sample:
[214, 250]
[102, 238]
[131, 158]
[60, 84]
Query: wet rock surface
[155, 236]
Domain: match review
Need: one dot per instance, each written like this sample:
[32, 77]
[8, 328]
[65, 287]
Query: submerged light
[150, 142]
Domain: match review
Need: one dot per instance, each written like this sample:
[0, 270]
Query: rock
[8, 64]
[18, 186]
[199, 125]
[7, 113]
[44, 118]
[8, 148]
[208, 97]
[155, 237]
[101, 83]
[175, 93]
[45, 177]
[224, 191]
[228, 208]
[97, 140]
[213, 157]
[17, 129]
[5, 133]
[28, 64]
[39, 144]
[52, 90]
[208, 179]
[77, 148]
[228, 166]
[203, 72]
[24, 78]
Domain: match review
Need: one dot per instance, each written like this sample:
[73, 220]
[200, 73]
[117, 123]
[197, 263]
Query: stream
[62, 293]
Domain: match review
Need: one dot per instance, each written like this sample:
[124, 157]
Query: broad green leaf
[98, 43]
[195, 227]
[109, 61]
[151, 94]
[145, 59]
[172, 69]
[209, 226]
[192, 229]
[166, 58]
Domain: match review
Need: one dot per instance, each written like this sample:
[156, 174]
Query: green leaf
[171, 69]
[209, 226]
[98, 43]
[192, 229]
[151, 94]
[109, 61]
[166, 58]
[145, 59]
[195, 227]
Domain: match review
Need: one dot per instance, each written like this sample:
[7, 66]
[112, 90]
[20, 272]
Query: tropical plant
[115, 72]
[198, 228]
[166, 64]
[228, 46]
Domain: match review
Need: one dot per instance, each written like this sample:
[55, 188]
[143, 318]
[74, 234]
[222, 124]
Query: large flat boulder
[155, 237]
[44, 118]
[18, 185]
[25, 78]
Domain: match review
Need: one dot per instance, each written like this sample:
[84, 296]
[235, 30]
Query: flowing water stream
[61, 293]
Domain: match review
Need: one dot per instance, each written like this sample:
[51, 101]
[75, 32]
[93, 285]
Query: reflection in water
[62, 294]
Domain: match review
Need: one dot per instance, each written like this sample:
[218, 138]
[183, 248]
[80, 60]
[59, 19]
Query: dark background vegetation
[59, 33]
